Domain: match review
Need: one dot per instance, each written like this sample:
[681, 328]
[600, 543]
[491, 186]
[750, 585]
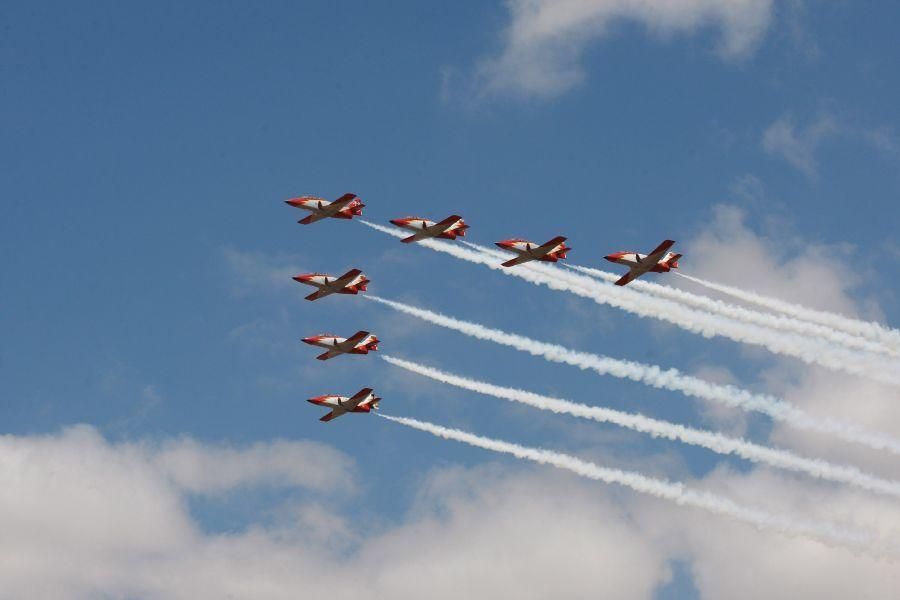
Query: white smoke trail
[676, 492]
[654, 376]
[716, 442]
[703, 323]
[753, 317]
[873, 331]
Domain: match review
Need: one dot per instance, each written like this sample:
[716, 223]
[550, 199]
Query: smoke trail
[753, 317]
[703, 323]
[676, 492]
[873, 331]
[716, 442]
[654, 376]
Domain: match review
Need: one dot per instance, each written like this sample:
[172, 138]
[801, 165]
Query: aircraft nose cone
[309, 340]
[397, 221]
[503, 244]
[300, 278]
[293, 202]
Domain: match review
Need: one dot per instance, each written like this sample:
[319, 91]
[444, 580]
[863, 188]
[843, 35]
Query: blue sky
[148, 149]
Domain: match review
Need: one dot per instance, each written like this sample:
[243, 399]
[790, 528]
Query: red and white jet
[345, 207]
[362, 401]
[658, 261]
[551, 251]
[351, 282]
[449, 229]
[361, 342]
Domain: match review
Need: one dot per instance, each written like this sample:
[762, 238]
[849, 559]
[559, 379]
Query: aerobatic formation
[832, 341]
[354, 281]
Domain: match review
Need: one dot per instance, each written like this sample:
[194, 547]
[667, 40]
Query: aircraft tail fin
[673, 261]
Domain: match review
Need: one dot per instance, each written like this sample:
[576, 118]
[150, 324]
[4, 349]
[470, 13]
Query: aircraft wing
[329, 354]
[351, 342]
[340, 203]
[344, 279]
[334, 414]
[357, 399]
[629, 277]
[550, 246]
[658, 253]
[319, 294]
[421, 235]
[522, 258]
[444, 225]
[312, 218]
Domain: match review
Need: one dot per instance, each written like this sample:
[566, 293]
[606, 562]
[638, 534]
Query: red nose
[295, 202]
[398, 222]
[504, 244]
[311, 340]
[300, 278]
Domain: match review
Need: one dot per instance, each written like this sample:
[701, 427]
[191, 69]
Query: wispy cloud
[798, 145]
[252, 270]
[545, 40]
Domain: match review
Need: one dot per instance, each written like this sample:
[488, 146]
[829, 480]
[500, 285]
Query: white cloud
[545, 39]
[85, 518]
[209, 469]
[741, 564]
[783, 265]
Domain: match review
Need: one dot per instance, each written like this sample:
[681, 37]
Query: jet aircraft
[450, 228]
[345, 207]
[362, 401]
[351, 282]
[527, 251]
[361, 342]
[658, 261]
